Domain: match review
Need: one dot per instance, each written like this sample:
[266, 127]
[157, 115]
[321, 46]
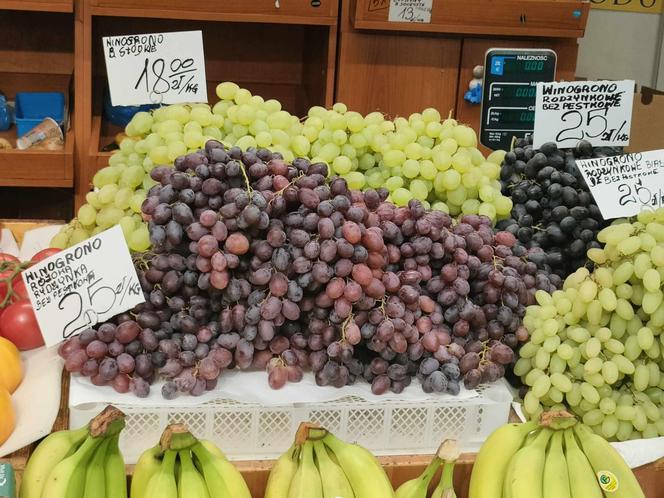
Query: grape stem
[16, 269]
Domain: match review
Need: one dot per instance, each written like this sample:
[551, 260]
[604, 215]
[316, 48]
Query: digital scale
[508, 93]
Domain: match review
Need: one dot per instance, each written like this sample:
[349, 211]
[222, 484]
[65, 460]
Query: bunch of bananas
[555, 458]
[181, 466]
[319, 465]
[419, 487]
[83, 463]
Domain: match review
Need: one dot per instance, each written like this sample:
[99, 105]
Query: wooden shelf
[38, 6]
[261, 11]
[534, 18]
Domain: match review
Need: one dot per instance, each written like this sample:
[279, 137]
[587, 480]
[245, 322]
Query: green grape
[528, 350]
[640, 421]
[541, 386]
[87, 214]
[607, 406]
[603, 334]
[557, 364]
[578, 334]
[532, 376]
[610, 426]
[561, 382]
[522, 366]
[610, 372]
[623, 273]
[624, 309]
[595, 379]
[588, 291]
[593, 365]
[531, 403]
[565, 351]
[607, 299]
[593, 347]
[645, 338]
[641, 378]
[593, 417]
[542, 358]
[401, 196]
[652, 300]
[573, 396]
[589, 393]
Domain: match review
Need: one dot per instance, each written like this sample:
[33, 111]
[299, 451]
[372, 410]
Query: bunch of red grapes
[260, 264]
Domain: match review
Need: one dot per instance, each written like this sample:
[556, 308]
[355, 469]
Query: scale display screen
[509, 91]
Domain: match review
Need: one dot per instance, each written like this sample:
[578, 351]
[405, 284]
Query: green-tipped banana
[555, 480]
[489, 470]
[190, 484]
[307, 480]
[50, 452]
[419, 487]
[67, 480]
[613, 474]
[526, 480]
[229, 473]
[282, 473]
[162, 484]
[116, 476]
[364, 472]
[95, 477]
[148, 465]
[582, 481]
[335, 482]
[449, 453]
[208, 464]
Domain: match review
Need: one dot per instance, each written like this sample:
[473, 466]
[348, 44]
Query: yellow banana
[307, 480]
[281, 475]
[555, 478]
[489, 470]
[148, 465]
[95, 480]
[582, 481]
[191, 484]
[208, 464]
[335, 482]
[67, 479]
[162, 484]
[50, 452]
[116, 476]
[611, 471]
[526, 480]
[418, 487]
[229, 473]
[364, 472]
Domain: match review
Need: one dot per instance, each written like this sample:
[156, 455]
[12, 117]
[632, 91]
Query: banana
[162, 484]
[528, 464]
[335, 482]
[116, 476]
[489, 471]
[556, 478]
[364, 472]
[281, 475]
[613, 474]
[48, 454]
[229, 473]
[307, 480]
[67, 479]
[95, 480]
[445, 488]
[148, 465]
[582, 481]
[418, 487]
[209, 466]
[191, 484]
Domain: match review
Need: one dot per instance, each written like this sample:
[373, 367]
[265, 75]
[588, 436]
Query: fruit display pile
[556, 458]
[259, 263]
[596, 346]
[423, 157]
[553, 208]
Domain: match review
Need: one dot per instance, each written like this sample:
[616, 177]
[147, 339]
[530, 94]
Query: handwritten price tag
[624, 185]
[410, 11]
[158, 68]
[83, 285]
[597, 111]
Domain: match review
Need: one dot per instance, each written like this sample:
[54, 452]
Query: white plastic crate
[249, 431]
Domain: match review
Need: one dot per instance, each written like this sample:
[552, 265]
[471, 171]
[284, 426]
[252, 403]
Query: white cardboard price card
[624, 185]
[410, 11]
[157, 68]
[83, 285]
[597, 111]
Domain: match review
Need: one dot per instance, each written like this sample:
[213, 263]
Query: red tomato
[18, 323]
[20, 292]
[4, 273]
[43, 254]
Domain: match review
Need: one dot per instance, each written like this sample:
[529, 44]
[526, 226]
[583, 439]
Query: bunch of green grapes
[597, 346]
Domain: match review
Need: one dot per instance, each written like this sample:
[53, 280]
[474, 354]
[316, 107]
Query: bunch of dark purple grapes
[260, 264]
[554, 213]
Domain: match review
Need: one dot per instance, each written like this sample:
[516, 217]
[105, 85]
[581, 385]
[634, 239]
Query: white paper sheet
[8, 243]
[37, 239]
[250, 387]
[37, 399]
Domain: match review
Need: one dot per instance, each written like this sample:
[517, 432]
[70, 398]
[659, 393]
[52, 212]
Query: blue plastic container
[33, 107]
[121, 115]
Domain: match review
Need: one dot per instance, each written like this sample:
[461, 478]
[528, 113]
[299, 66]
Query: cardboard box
[647, 121]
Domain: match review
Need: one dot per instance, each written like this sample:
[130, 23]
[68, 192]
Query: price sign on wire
[410, 11]
[83, 285]
[157, 68]
[624, 185]
[597, 111]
